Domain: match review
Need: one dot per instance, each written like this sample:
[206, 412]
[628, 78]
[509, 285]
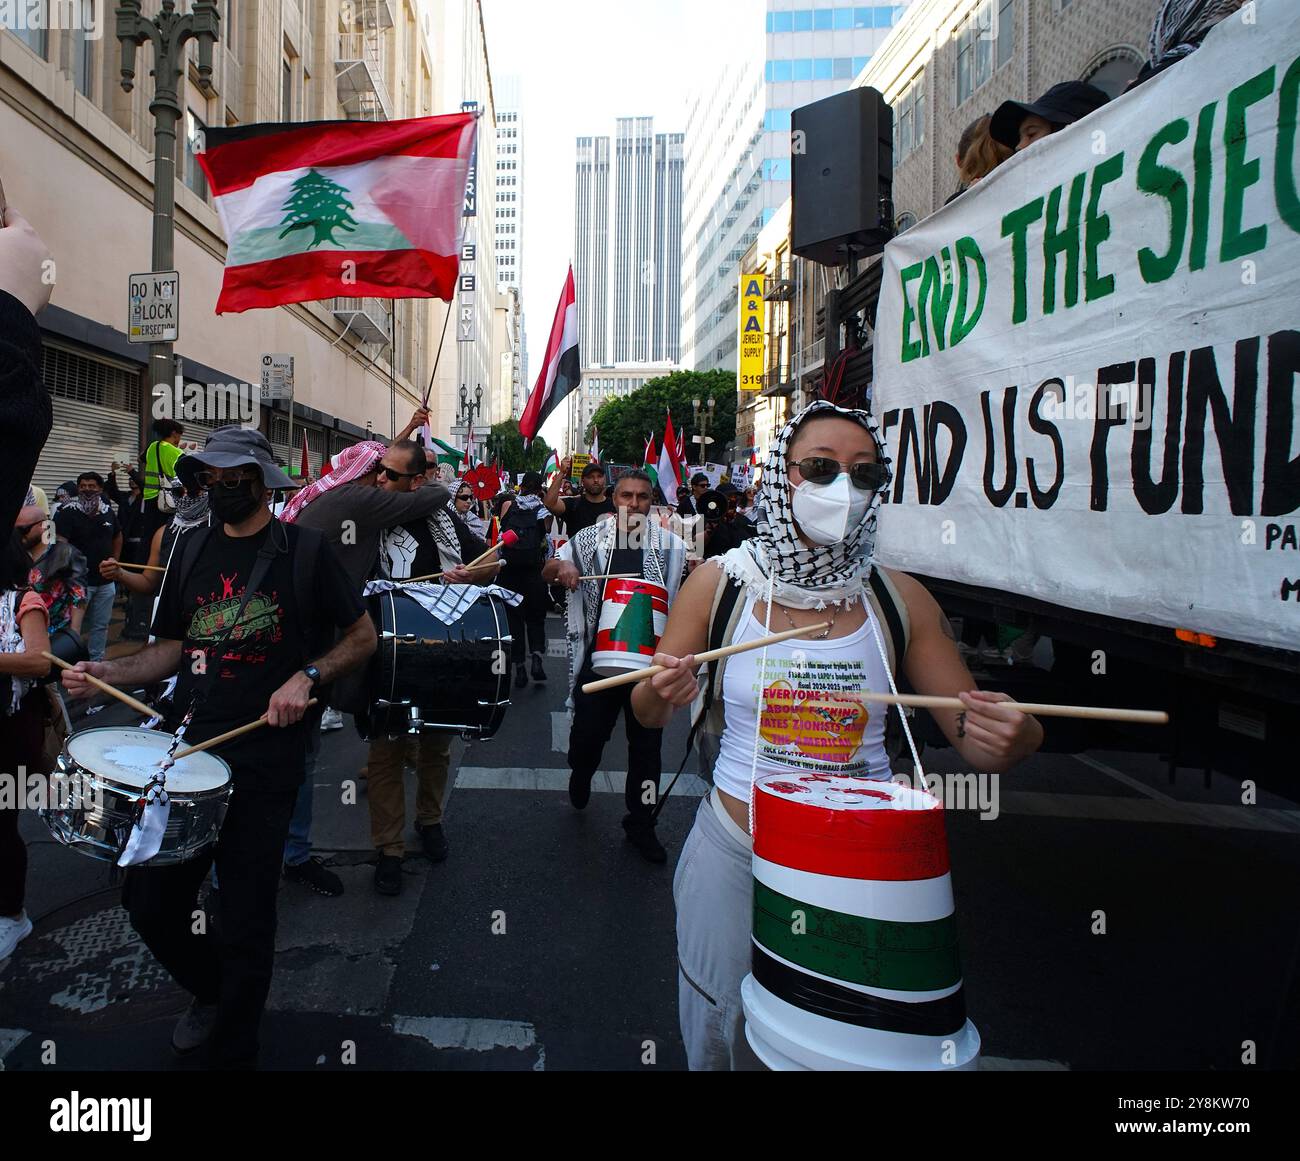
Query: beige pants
[430, 754]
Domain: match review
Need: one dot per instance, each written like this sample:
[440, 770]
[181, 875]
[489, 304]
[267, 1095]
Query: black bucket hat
[235, 447]
[1062, 104]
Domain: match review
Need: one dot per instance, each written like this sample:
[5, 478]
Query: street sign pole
[169, 33]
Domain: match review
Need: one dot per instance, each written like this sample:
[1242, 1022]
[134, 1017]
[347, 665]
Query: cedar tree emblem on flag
[318, 204]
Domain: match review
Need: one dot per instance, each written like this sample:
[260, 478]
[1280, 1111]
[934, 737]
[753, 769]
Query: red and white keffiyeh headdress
[354, 462]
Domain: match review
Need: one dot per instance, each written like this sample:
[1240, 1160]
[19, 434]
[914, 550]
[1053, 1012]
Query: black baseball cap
[1062, 104]
[591, 469]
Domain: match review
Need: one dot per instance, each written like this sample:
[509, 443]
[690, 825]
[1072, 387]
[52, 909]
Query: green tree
[626, 420]
[507, 445]
[320, 205]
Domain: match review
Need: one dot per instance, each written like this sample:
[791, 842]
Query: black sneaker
[642, 836]
[388, 875]
[580, 789]
[539, 672]
[194, 1028]
[433, 841]
[521, 676]
[314, 874]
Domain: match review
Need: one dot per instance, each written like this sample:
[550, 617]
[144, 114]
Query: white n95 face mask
[827, 513]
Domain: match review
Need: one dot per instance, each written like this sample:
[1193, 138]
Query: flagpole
[392, 368]
[429, 390]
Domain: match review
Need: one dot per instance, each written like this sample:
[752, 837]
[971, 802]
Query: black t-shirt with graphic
[580, 513]
[268, 647]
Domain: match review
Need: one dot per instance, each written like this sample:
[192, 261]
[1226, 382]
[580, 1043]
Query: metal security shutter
[292, 455]
[96, 408]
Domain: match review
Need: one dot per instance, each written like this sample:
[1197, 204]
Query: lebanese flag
[670, 463]
[306, 466]
[561, 369]
[325, 209]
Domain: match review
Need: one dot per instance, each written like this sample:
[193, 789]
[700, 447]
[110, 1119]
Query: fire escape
[360, 66]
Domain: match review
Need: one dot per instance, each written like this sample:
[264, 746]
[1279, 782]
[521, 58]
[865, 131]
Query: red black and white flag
[325, 209]
[561, 370]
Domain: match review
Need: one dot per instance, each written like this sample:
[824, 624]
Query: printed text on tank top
[813, 720]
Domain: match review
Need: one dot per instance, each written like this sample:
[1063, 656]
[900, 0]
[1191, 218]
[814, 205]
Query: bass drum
[433, 677]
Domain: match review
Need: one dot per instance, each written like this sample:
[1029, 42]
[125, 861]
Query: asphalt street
[1110, 919]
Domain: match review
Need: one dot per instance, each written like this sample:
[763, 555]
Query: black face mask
[234, 505]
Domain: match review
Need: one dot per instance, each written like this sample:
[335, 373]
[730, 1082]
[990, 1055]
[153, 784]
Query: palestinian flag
[561, 369]
[595, 445]
[651, 465]
[444, 453]
[306, 464]
[325, 209]
[551, 466]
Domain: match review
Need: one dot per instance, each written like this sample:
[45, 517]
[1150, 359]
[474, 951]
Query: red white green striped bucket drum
[633, 614]
[855, 960]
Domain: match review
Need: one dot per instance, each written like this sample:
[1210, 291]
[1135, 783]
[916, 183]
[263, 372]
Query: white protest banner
[1085, 367]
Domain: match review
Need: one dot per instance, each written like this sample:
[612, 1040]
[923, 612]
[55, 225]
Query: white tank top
[812, 720]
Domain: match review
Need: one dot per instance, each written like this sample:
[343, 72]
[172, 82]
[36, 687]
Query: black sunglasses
[464, 496]
[869, 477]
[212, 479]
[394, 475]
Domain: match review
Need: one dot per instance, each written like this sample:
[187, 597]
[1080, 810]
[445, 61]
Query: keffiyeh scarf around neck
[11, 641]
[354, 462]
[776, 561]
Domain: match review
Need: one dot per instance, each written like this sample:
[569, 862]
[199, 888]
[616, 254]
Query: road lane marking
[474, 1035]
[523, 778]
[1120, 776]
[1104, 807]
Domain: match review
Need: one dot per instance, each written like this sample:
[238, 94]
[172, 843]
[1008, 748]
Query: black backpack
[530, 549]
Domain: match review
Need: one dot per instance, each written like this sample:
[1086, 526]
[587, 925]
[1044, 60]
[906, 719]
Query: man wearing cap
[581, 511]
[1017, 124]
[246, 619]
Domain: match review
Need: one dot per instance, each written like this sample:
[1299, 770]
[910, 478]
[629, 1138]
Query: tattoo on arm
[961, 722]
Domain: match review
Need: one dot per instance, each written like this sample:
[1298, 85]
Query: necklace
[826, 632]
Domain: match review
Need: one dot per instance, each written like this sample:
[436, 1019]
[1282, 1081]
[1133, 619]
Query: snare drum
[434, 677]
[101, 774]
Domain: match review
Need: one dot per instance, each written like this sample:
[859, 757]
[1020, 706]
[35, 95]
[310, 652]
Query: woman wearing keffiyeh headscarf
[793, 708]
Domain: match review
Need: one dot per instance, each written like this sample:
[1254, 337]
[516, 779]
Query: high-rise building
[509, 185]
[591, 247]
[781, 54]
[627, 244]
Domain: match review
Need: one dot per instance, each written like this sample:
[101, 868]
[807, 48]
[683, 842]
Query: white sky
[581, 63]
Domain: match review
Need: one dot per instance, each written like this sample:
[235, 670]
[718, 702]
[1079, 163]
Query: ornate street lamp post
[169, 31]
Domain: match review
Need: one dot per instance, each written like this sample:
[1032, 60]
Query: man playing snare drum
[246, 618]
[620, 618]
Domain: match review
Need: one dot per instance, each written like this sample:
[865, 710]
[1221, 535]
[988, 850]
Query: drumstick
[111, 690]
[612, 576]
[708, 655]
[150, 567]
[507, 539]
[226, 736]
[1040, 709]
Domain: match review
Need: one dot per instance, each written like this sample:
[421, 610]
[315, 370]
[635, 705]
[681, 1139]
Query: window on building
[286, 89]
[83, 62]
[780, 21]
[909, 119]
[985, 43]
[842, 69]
[822, 19]
[230, 26]
[842, 18]
[823, 68]
[193, 175]
[802, 70]
[37, 39]
[802, 21]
